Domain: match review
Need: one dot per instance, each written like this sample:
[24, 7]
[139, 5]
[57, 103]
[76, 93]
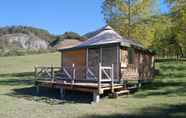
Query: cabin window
[130, 55]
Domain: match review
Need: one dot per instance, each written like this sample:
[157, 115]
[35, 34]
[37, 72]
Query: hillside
[21, 40]
[24, 37]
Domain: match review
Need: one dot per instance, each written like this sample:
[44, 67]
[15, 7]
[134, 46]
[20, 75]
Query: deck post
[62, 93]
[74, 73]
[112, 79]
[99, 78]
[35, 72]
[37, 89]
[52, 73]
[36, 85]
[96, 97]
[87, 63]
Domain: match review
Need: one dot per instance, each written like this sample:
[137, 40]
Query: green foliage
[66, 36]
[142, 20]
[72, 35]
[132, 18]
[55, 42]
[171, 37]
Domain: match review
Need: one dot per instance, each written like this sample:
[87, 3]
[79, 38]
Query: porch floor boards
[81, 86]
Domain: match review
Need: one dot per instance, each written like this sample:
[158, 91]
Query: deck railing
[106, 73]
[130, 72]
[46, 72]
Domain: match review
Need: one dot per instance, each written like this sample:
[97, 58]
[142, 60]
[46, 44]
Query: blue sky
[56, 16]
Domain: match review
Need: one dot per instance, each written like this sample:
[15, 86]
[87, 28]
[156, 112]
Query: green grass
[165, 97]
[21, 64]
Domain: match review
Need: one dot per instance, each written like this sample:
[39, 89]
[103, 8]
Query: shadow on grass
[173, 67]
[170, 81]
[21, 83]
[23, 74]
[51, 96]
[15, 79]
[16, 82]
[165, 111]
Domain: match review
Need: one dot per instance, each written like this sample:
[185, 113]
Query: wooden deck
[66, 79]
[78, 86]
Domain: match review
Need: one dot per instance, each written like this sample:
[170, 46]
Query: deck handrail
[70, 72]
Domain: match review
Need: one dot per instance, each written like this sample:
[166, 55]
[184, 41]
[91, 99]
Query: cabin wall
[78, 58]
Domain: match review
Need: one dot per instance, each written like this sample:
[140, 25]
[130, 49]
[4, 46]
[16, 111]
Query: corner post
[99, 78]
[52, 73]
[36, 84]
[62, 93]
[96, 97]
[112, 79]
[74, 73]
[37, 89]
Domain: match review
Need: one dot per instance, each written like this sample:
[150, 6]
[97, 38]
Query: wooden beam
[90, 90]
[62, 93]
[99, 78]
[101, 55]
[37, 89]
[118, 63]
[61, 58]
[96, 97]
[87, 64]
[35, 72]
[112, 79]
[52, 73]
[74, 73]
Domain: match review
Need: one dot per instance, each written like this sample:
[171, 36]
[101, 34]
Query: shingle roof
[68, 43]
[104, 36]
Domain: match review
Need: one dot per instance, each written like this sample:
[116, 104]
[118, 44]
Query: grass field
[163, 98]
[21, 64]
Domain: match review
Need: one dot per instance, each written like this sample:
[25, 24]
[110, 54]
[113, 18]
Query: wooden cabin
[104, 62]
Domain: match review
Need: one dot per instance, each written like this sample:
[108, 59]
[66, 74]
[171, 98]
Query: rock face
[22, 41]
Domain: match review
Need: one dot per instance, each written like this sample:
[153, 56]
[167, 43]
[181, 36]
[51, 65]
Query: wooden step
[116, 94]
[122, 92]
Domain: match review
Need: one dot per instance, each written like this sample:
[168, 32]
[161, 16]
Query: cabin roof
[68, 43]
[105, 36]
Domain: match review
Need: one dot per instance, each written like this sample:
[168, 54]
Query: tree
[72, 35]
[178, 15]
[131, 17]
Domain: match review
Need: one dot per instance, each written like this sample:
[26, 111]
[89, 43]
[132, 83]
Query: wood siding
[77, 57]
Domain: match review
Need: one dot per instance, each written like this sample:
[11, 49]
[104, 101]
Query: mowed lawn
[21, 64]
[165, 97]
